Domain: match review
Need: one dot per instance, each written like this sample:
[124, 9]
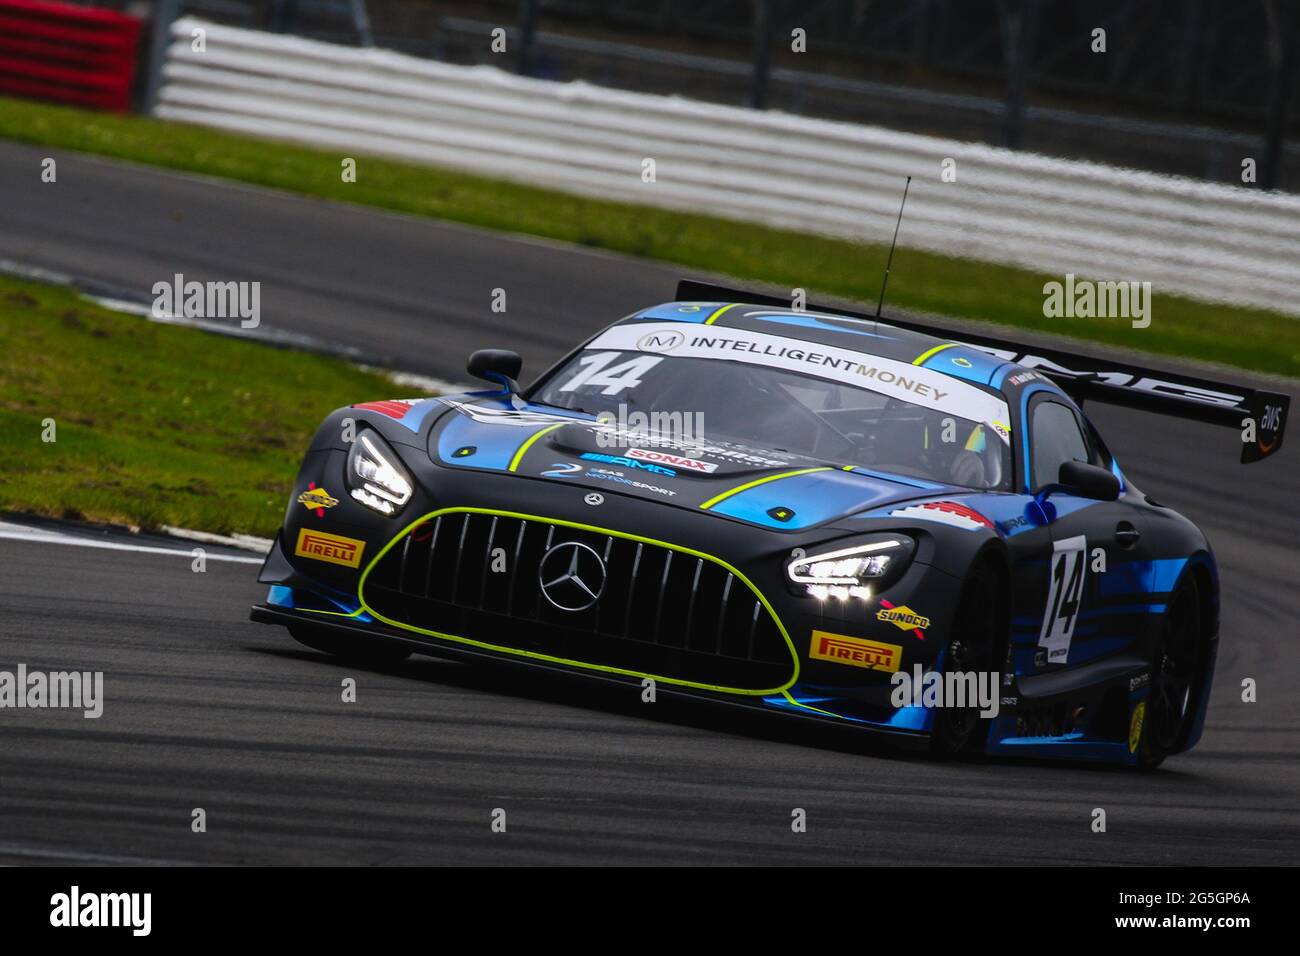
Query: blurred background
[1186, 86]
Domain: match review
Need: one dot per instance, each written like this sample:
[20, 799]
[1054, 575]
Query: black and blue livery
[783, 509]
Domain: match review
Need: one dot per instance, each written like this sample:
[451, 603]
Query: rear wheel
[975, 646]
[1159, 724]
[354, 650]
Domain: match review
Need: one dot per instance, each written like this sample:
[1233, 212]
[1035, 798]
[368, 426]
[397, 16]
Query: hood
[763, 486]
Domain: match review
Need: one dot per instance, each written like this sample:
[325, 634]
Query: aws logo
[1270, 421]
[1261, 430]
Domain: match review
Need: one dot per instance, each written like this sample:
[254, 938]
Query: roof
[869, 337]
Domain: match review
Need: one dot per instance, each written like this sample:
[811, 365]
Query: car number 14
[1064, 597]
[595, 371]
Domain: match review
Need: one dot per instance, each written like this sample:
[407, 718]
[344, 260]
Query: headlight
[849, 572]
[375, 477]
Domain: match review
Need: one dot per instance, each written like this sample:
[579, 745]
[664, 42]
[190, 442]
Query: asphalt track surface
[204, 709]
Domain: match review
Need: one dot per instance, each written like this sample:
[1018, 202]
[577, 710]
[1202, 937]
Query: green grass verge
[154, 424]
[1250, 338]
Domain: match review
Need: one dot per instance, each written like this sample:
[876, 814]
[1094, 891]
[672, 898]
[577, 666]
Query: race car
[806, 511]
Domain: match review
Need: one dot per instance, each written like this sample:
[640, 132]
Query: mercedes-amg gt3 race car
[796, 510]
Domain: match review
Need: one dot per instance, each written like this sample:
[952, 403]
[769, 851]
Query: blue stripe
[1142, 577]
[814, 498]
[694, 312]
[901, 479]
[1122, 609]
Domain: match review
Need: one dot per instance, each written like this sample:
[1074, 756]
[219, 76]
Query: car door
[1091, 540]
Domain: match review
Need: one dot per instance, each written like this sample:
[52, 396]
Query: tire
[355, 650]
[1177, 680]
[978, 643]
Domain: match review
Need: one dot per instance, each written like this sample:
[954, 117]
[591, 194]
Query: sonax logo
[332, 548]
[679, 461]
[842, 649]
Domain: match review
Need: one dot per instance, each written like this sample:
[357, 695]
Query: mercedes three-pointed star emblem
[572, 576]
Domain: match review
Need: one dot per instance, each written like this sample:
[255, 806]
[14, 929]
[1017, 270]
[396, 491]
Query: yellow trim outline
[920, 359]
[760, 481]
[312, 610]
[714, 317]
[514, 462]
[799, 703]
[585, 665]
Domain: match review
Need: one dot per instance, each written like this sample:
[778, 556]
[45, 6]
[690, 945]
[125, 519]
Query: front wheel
[975, 646]
[1159, 724]
[354, 650]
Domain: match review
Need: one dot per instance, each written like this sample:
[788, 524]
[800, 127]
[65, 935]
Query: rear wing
[1254, 413]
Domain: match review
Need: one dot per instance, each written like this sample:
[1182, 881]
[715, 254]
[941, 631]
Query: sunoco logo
[660, 341]
[904, 618]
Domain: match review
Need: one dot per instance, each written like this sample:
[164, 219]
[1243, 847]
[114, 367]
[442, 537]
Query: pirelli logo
[332, 548]
[856, 652]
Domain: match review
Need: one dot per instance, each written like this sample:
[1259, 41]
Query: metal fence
[1219, 243]
[1190, 87]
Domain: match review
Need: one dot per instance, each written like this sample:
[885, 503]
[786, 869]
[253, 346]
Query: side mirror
[497, 366]
[1088, 481]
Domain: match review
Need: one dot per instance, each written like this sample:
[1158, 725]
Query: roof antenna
[890, 261]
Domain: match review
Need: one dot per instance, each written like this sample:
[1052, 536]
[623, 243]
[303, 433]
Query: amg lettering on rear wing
[1085, 378]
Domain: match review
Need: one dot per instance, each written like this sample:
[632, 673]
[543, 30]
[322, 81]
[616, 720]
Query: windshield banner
[909, 383]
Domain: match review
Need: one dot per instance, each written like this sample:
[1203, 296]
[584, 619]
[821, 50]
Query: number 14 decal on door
[1064, 597]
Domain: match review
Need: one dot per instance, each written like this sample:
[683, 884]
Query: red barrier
[79, 55]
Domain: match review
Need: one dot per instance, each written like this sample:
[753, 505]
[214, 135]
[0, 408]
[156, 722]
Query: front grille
[662, 612]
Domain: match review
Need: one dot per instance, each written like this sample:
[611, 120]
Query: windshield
[948, 432]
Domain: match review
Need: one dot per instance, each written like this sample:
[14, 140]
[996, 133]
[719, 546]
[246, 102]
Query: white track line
[429, 385]
[17, 532]
[245, 542]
